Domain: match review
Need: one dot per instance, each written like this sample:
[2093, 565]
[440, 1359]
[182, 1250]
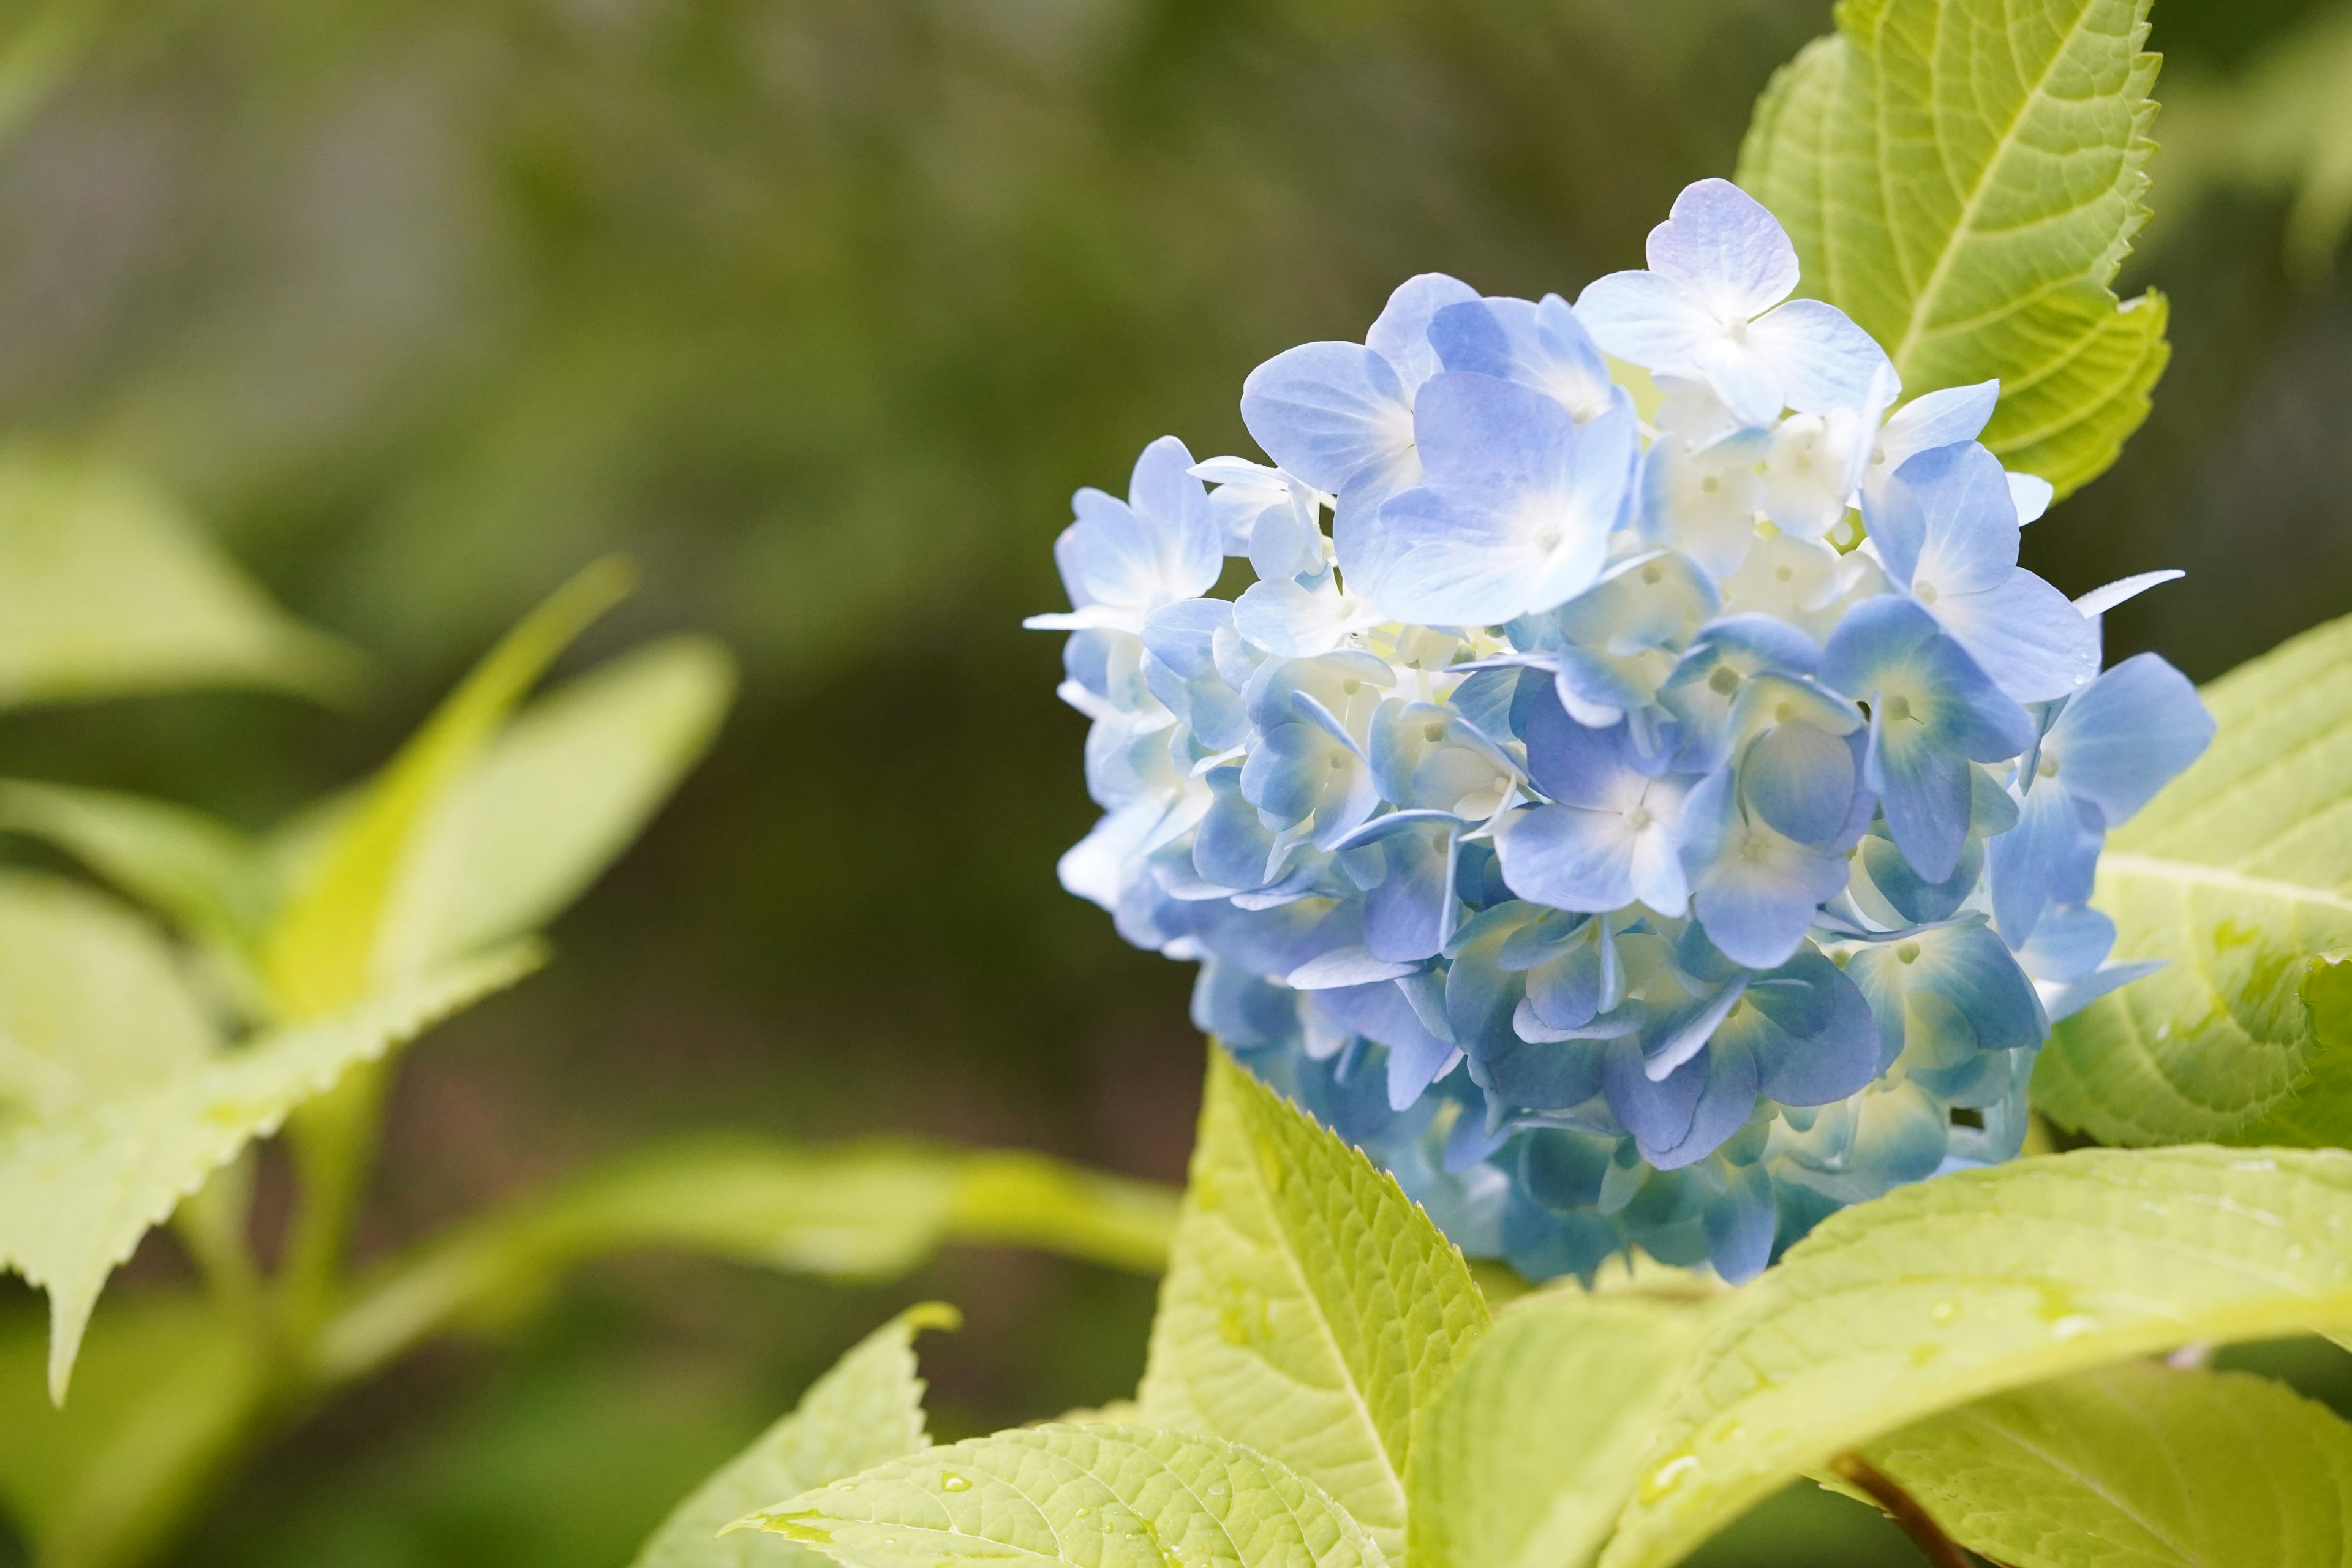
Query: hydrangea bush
[1659, 810]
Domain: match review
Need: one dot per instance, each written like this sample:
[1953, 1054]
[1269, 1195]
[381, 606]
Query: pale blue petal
[1570, 858]
[1810, 1030]
[2032, 496]
[1400, 336]
[2127, 734]
[2048, 858]
[1923, 788]
[1801, 780]
[1753, 889]
[1721, 243]
[1821, 358]
[1410, 914]
[1287, 620]
[1746, 381]
[1741, 1222]
[2107, 596]
[2035, 645]
[2068, 945]
[1328, 412]
[1945, 519]
[1647, 320]
[1173, 506]
[1542, 346]
[1938, 418]
[1240, 1009]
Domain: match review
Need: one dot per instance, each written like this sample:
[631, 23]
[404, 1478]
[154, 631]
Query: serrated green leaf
[859, 1212]
[164, 1391]
[1526, 1457]
[2236, 876]
[560, 792]
[93, 1004]
[1963, 178]
[108, 589]
[344, 932]
[2136, 1466]
[1971, 1283]
[865, 1412]
[1310, 1309]
[1093, 1497]
[80, 1187]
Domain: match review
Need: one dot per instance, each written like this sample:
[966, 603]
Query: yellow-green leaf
[81, 1186]
[2237, 876]
[1311, 1310]
[1978, 1282]
[1963, 178]
[1527, 1456]
[1092, 1496]
[2136, 1466]
[866, 1411]
[108, 589]
[338, 940]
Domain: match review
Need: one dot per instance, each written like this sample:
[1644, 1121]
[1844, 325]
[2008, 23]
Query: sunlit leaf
[1527, 1456]
[1964, 177]
[2135, 1464]
[1311, 1310]
[1978, 1282]
[865, 1412]
[79, 1186]
[2238, 875]
[859, 1212]
[107, 589]
[1093, 1497]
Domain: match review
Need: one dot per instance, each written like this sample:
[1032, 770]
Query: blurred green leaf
[1526, 1457]
[2135, 1464]
[107, 589]
[1963, 178]
[1311, 1310]
[2237, 875]
[1971, 1283]
[344, 932]
[1092, 1496]
[861, 1212]
[79, 1186]
[164, 1393]
[560, 792]
[864, 1413]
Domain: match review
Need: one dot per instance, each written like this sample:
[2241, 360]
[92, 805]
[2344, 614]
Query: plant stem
[334, 1141]
[1903, 1508]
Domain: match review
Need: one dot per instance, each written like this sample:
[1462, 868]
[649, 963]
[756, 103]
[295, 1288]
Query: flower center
[1638, 819]
[1924, 592]
[1725, 680]
[1906, 952]
[2049, 768]
[1899, 707]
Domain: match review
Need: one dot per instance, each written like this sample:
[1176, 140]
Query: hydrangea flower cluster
[1619, 837]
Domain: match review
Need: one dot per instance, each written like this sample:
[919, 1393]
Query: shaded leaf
[2136, 1466]
[864, 1412]
[1310, 1309]
[1093, 1496]
[1963, 178]
[1978, 1282]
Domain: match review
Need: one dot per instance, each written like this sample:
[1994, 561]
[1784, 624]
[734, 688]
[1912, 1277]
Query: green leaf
[93, 1005]
[1311, 1310]
[2237, 876]
[1963, 178]
[1971, 1283]
[108, 589]
[345, 932]
[859, 1212]
[2135, 1465]
[865, 1412]
[81, 1186]
[1093, 1496]
[165, 1391]
[1526, 1457]
[561, 791]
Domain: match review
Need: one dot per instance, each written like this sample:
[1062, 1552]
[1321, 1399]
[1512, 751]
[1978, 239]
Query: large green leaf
[859, 1212]
[1527, 1456]
[106, 588]
[2136, 1466]
[1310, 1309]
[79, 1185]
[1971, 1283]
[1093, 1497]
[1964, 177]
[865, 1412]
[165, 1391]
[2237, 876]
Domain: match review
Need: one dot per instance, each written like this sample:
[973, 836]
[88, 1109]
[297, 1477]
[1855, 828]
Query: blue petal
[1722, 244]
[1692, 1112]
[1173, 506]
[1328, 413]
[1810, 1030]
[2048, 858]
[1402, 335]
[1242, 1010]
[1542, 346]
[1410, 914]
[1802, 780]
[1822, 358]
[1754, 890]
[1938, 418]
[1570, 858]
[1946, 515]
[2125, 735]
[2024, 633]
[1741, 1222]
[2068, 945]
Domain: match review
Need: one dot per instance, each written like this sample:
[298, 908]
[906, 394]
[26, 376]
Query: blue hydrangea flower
[1656, 812]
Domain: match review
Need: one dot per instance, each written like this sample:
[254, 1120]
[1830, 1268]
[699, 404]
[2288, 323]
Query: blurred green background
[820, 308]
